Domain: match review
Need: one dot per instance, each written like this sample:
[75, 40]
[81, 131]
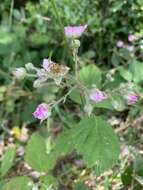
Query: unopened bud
[19, 73]
[88, 109]
[29, 66]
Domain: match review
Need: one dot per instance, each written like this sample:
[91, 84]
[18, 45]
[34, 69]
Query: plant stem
[10, 15]
[54, 6]
[76, 65]
[57, 14]
[64, 97]
[55, 9]
[48, 125]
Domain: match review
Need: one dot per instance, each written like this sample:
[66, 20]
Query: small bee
[58, 70]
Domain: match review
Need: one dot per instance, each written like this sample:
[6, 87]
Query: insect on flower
[54, 70]
[50, 70]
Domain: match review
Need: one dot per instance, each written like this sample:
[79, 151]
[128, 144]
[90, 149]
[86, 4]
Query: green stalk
[48, 125]
[11, 11]
[76, 65]
[55, 9]
[54, 6]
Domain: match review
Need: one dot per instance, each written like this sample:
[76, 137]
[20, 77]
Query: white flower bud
[77, 43]
[19, 73]
[29, 66]
[88, 109]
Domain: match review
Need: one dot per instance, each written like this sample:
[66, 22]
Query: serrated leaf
[7, 161]
[63, 144]
[18, 183]
[90, 75]
[36, 155]
[96, 141]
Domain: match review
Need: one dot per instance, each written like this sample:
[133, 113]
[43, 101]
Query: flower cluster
[53, 71]
[130, 47]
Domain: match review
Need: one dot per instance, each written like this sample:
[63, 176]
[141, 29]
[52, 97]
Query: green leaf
[6, 38]
[81, 186]
[7, 161]
[136, 68]
[117, 5]
[90, 75]
[2, 183]
[125, 53]
[116, 59]
[138, 165]
[127, 176]
[36, 155]
[48, 181]
[63, 144]
[118, 102]
[125, 74]
[107, 104]
[27, 110]
[18, 183]
[75, 96]
[96, 141]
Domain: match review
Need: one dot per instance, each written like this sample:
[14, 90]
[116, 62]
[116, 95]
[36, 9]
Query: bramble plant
[91, 137]
[60, 117]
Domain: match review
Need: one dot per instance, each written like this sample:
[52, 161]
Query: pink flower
[120, 44]
[47, 64]
[132, 98]
[97, 95]
[74, 31]
[132, 38]
[42, 112]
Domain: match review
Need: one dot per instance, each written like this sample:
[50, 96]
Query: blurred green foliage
[33, 30]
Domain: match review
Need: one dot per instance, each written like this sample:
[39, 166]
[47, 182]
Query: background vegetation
[33, 30]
